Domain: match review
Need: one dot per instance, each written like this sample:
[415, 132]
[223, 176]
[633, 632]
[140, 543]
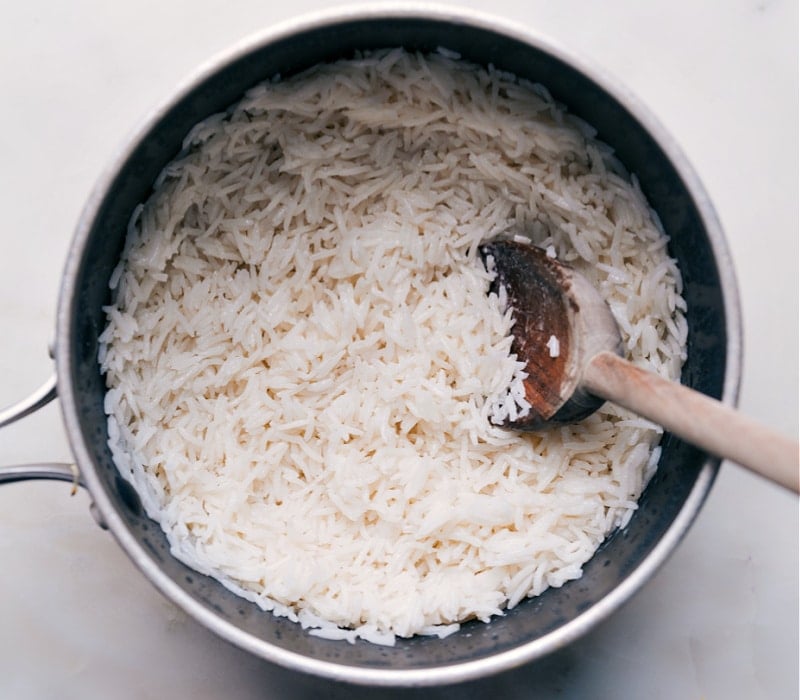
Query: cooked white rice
[302, 356]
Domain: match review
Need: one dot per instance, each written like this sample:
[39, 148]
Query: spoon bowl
[560, 322]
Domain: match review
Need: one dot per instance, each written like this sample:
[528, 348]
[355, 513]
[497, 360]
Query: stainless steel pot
[537, 626]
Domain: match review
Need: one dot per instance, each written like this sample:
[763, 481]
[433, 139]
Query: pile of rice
[302, 358]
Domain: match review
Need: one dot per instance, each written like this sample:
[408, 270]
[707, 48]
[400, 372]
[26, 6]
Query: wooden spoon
[568, 337]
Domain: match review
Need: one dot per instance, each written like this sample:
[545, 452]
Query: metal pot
[537, 626]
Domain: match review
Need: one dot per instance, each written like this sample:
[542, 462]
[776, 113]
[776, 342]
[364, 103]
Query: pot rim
[456, 672]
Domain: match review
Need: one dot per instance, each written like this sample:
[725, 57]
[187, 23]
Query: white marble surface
[77, 620]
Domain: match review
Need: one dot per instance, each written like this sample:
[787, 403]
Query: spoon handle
[696, 418]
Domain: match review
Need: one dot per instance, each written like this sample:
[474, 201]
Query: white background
[77, 620]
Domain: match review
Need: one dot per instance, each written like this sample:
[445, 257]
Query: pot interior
[99, 243]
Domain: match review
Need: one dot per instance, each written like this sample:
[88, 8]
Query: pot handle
[41, 397]
[22, 472]
[56, 471]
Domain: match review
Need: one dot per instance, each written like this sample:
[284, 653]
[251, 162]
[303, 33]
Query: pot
[536, 626]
